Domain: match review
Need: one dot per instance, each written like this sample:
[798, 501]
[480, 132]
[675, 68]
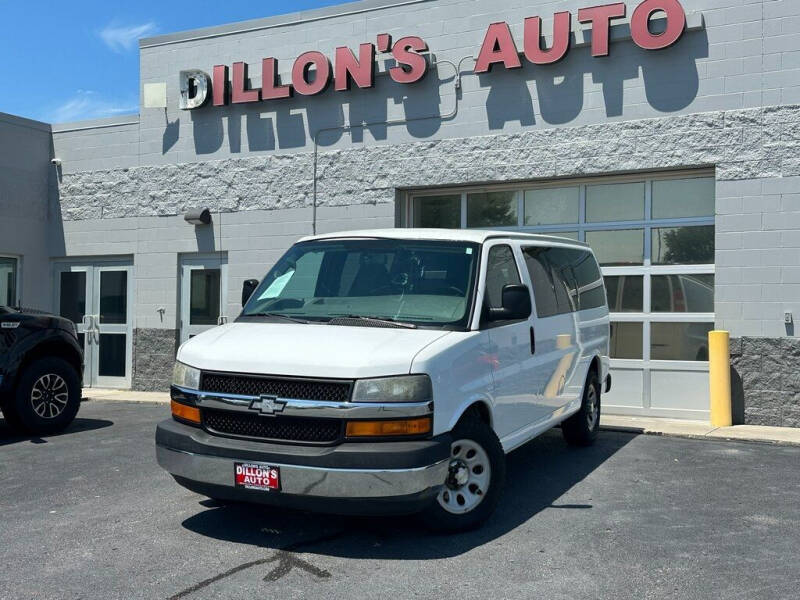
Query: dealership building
[664, 134]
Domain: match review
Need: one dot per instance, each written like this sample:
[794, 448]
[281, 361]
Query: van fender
[466, 404]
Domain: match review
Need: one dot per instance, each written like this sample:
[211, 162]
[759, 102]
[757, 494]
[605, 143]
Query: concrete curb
[93, 394]
[701, 430]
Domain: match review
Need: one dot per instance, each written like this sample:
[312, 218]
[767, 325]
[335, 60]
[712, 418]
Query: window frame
[17, 300]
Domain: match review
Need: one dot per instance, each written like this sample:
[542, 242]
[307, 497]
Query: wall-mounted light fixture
[198, 216]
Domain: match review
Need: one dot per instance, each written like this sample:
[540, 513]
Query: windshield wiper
[277, 315]
[384, 320]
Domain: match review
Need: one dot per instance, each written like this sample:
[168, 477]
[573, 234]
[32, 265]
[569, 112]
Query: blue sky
[66, 61]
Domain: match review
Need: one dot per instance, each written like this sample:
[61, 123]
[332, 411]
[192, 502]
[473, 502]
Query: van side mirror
[516, 299]
[248, 287]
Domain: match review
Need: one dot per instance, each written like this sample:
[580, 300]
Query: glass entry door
[204, 293]
[97, 298]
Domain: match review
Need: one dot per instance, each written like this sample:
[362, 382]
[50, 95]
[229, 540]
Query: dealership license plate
[257, 476]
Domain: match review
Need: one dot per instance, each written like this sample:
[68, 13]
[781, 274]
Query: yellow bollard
[719, 376]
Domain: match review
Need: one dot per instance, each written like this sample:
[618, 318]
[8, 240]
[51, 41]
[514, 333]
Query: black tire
[582, 427]
[52, 387]
[474, 431]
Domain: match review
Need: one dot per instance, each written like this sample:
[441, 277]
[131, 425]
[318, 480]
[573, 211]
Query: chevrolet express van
[391, 371]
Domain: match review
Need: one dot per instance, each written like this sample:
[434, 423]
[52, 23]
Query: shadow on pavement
[538, 474]
[79, 425]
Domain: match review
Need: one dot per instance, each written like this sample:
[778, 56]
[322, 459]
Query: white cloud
[87, 104]
[122, 38]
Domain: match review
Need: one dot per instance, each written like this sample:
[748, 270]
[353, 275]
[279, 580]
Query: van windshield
[425, 283]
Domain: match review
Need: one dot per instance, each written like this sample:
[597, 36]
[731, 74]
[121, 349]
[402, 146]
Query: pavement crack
[286, 562]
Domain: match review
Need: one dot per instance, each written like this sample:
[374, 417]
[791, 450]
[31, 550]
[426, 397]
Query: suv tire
[475, 479]
[47, 397]
[581, 428]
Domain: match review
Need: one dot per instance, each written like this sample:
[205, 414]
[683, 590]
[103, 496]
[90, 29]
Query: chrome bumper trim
[314, 408]
[309, 481]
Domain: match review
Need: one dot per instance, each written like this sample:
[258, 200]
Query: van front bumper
[352, 478]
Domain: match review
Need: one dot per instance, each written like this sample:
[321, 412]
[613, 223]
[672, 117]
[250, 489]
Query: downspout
[349, 127]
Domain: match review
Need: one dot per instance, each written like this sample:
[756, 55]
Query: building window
[653, 237]
[8, 281]
[438, 211]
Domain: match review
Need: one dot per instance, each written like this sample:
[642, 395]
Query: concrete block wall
[765, 382]
[758, 253]
[27, 210]
[745, 56]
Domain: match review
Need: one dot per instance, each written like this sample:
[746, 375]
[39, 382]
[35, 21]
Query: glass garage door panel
[626, 391]
[679, 391]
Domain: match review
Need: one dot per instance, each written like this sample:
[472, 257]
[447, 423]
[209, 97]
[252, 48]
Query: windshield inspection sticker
[276, 287]
[469, 250]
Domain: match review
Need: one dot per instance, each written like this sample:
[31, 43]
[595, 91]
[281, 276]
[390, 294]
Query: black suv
[41, 362]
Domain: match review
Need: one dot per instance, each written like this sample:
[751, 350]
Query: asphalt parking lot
[89, 514]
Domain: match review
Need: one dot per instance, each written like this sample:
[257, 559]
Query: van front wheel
[475, 477]
[581, 428]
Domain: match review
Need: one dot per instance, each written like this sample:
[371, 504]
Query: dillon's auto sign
[312, 72]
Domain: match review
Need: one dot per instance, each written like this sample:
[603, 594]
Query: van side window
[590, 282]
[501, 269]
[561, 261]
[542, 279]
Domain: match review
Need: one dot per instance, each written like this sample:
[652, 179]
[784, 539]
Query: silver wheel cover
[468, 478]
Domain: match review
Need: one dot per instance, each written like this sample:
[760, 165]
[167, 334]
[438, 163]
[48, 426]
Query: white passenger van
[392, 370]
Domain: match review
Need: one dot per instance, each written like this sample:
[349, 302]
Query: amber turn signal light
[389, 428]
[184, 412]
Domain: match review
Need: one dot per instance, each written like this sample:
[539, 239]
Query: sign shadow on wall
[670, 81]
[291, 123]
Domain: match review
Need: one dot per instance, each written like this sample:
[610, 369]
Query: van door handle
[533, 341]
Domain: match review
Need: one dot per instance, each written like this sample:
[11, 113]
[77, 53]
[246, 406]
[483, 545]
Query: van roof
[459, 235]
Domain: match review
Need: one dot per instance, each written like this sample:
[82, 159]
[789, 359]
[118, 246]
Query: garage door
[654, 238]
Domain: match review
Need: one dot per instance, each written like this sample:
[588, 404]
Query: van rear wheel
[474, 482]
[582, 427]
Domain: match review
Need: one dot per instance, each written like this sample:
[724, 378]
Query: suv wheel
[581, 428]
[474, 481]
[48, 396]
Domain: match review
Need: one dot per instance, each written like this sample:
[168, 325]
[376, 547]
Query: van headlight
[403, 388]
[185, 376]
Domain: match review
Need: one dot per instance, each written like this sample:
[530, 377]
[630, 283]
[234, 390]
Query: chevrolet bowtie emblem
[268, 405]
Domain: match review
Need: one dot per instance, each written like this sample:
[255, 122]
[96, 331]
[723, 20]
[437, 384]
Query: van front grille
[282, 387]
[277, 428]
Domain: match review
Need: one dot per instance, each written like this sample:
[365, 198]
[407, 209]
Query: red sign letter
[360, 70]
[239, 94]
[220, 80]
[498, 47]
[270, 87]
[300, 73]
[600, 16]
[413, 65]
[562, 25]
[640, 21]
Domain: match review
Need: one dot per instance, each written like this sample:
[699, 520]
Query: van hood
[307, 350]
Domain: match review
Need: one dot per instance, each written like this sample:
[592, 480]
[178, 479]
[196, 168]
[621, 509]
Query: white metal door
[204, 293]
[98, 299]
